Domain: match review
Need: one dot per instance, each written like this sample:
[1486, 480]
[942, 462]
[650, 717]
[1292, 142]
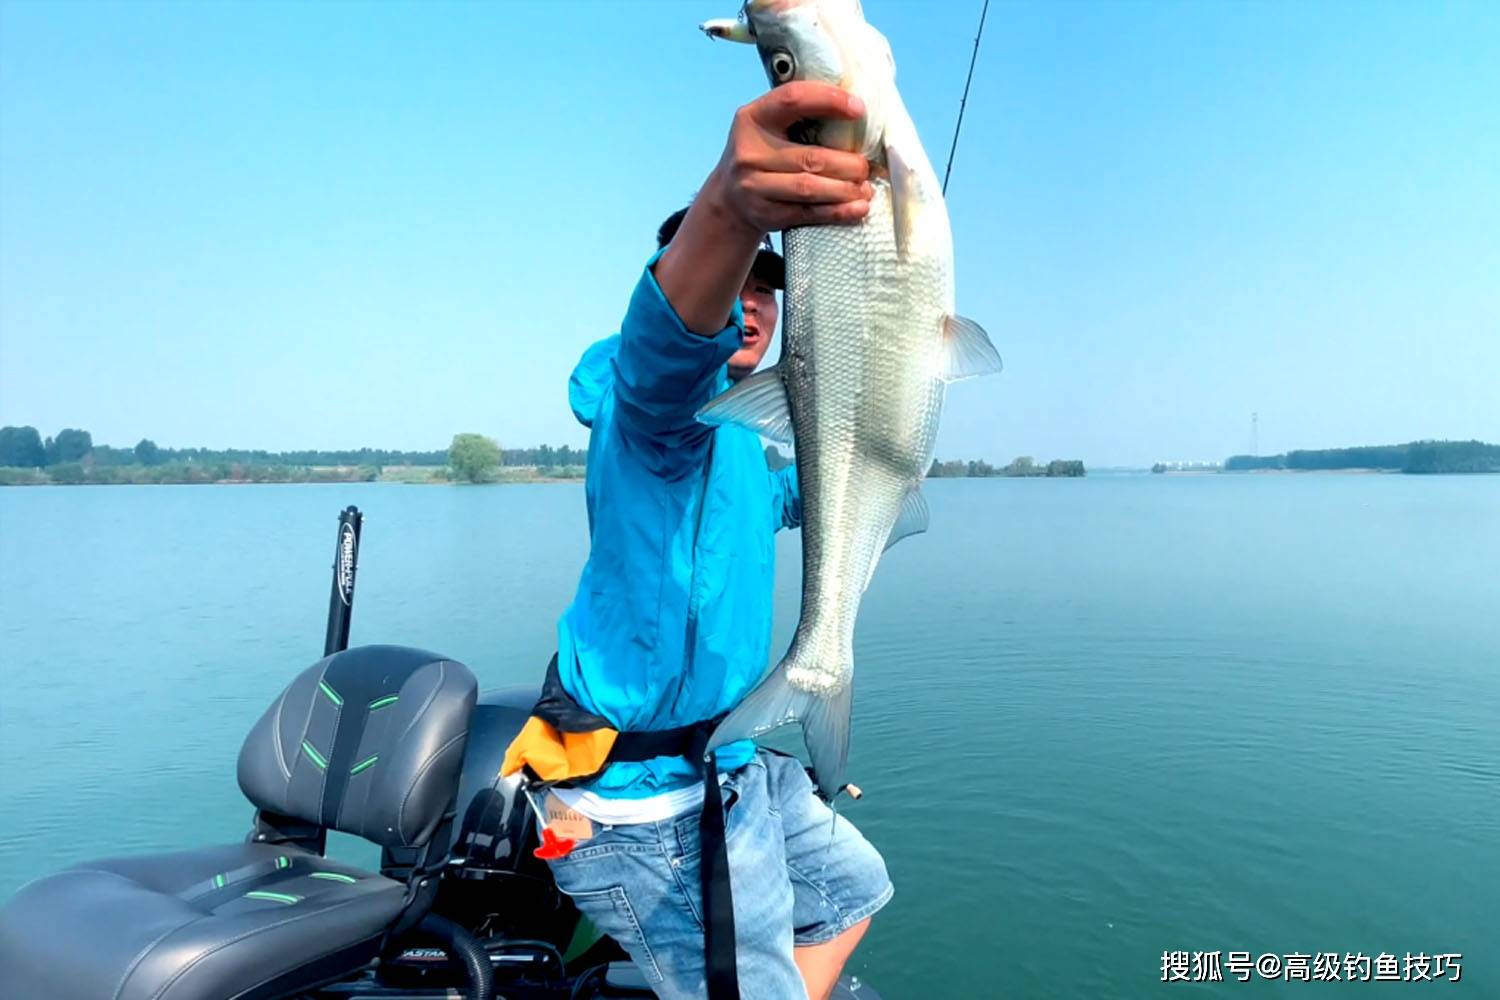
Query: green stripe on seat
[334, 877]
[314, 756]
[218, 881]
[367, 762]
[389, 699]
[282, 862]
[333, 695]
[272, 897]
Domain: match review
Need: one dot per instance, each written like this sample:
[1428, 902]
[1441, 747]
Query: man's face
[759, 302]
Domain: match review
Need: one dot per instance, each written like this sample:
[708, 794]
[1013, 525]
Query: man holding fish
[683, 516]
[657, 686]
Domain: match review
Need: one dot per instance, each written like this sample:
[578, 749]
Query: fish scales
[858, 319]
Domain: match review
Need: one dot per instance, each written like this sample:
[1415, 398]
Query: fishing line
[965, 99]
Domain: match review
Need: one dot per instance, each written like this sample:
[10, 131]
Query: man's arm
[683, 321]
[663, 373]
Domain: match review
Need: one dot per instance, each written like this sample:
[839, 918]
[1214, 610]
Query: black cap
[768, 266]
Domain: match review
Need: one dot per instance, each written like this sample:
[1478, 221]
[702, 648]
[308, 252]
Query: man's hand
[770, 182]
[763, 182]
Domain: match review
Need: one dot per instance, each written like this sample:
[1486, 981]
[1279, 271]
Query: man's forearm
[703, 269]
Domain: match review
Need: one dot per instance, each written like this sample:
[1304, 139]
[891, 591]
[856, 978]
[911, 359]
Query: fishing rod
[965, 99]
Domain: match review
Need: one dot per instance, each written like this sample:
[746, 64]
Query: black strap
[684, 741]
[559, 709]
[231, 883]
[718, 896]
[355, 686]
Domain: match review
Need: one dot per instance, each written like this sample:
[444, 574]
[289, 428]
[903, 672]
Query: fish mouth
[730, 29]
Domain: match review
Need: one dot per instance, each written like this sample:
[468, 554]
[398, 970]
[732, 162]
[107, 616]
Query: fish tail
[824, 718]
[825, 729]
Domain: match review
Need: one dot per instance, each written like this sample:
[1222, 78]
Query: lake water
[1095, 720]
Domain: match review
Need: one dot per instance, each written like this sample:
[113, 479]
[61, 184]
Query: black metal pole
[341, 600]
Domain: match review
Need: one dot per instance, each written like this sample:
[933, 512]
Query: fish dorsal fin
[758, 402]
[913, 519]
[968, 351]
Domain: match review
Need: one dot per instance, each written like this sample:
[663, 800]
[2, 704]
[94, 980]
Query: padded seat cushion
[161, 927]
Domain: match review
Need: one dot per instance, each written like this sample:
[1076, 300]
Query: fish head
[828, 41]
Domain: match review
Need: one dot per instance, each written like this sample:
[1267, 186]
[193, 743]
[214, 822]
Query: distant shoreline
[513, 476]
[308, 476]
[1322, 472]
[1421, 458]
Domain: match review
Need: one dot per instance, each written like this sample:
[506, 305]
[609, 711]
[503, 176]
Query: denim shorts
[800, 876]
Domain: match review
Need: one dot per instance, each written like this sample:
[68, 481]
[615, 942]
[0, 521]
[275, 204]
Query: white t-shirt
[611, 811]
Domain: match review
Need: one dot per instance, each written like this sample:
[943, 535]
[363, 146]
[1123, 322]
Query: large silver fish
[871, 341]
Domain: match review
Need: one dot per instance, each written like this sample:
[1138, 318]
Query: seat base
[235, 922]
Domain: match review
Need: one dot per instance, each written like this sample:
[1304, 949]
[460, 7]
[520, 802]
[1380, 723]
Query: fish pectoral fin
[758, 402]
[969, 351]
[905, 188]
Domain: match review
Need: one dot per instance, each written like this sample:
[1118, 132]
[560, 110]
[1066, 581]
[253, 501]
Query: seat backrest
[368, 741]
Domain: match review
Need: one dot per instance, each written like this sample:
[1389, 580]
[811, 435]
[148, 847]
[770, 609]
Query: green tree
[473, 457]
[21, 447]
[147, 453]
[1023, 466]
[69, 446]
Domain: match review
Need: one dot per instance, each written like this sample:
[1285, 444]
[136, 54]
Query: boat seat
[368, 741]
[195, 923]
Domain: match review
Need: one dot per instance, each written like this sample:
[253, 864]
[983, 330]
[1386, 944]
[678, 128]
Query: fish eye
[782, 65]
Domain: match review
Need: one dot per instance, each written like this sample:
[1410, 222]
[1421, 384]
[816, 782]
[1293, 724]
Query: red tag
[553, 846]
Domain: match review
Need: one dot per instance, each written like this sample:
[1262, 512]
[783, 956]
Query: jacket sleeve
[664, 372]
[786, 498]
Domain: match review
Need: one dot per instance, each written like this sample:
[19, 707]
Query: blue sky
[338, 224]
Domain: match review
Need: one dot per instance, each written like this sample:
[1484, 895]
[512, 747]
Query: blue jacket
[671, 623]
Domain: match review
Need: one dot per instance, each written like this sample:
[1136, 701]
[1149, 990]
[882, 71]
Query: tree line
[72, 457]
[1415, 458]
[25, 448]
[1023, 467]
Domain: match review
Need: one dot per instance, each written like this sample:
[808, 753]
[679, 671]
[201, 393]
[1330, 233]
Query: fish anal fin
[758, 402]
[913, 519]
[967, 350]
